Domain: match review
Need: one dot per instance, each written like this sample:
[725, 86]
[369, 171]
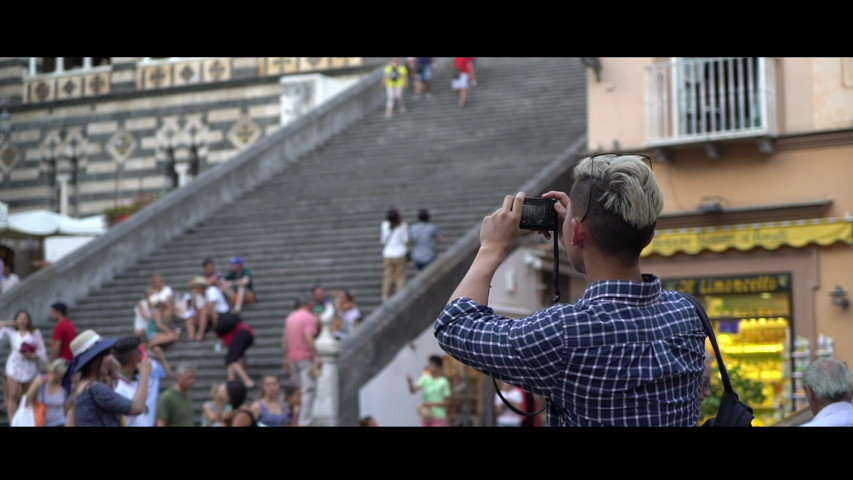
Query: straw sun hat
[87, 346]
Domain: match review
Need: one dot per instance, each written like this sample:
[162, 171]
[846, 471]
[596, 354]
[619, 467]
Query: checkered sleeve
[522, 352]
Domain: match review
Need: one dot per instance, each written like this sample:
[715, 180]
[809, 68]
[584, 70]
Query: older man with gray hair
[175, 405]
[829, 392]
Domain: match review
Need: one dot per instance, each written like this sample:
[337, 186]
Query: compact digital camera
[539, 214]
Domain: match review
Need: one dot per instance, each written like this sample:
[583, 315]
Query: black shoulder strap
[706, 323]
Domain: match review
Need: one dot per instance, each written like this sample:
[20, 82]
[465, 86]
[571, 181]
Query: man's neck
[599, 267]
[128, 372]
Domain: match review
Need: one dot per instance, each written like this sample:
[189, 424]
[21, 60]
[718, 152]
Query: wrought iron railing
[691, 100]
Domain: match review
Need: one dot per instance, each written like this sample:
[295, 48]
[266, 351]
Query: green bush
[749, 391]
[116, 213]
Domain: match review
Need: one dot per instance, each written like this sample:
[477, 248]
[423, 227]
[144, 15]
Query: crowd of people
[627, 353]
[417, 73]
[213, 302]
[86, 380]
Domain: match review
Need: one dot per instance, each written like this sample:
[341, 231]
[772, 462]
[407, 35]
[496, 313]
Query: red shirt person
[63, 333]
[465, 75]
[238, 339]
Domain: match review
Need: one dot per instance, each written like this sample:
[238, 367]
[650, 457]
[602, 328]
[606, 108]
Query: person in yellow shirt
[394, 80]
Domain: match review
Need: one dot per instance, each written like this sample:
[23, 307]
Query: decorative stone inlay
[69, 87]
[216, 70]
[121, 145]
[280, 65]
[288, 65]
[9, 156]
[42, 91]
[187, 73]
[157, 76]
[280, 62]
[97, 84]
[244, 132]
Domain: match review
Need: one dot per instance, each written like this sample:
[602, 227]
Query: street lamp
[839, 297]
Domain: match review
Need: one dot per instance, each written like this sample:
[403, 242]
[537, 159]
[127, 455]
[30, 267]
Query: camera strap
[556, 299]
[556, 269]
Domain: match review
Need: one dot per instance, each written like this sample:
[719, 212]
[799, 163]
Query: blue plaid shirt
[625, 354]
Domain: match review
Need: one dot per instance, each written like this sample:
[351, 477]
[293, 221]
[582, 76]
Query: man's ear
[810, 396]
[578, 233]
[651, 237]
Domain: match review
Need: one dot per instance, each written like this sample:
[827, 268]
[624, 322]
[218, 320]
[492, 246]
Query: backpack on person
[394, 74]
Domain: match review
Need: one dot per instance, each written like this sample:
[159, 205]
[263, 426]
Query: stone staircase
[318, 221]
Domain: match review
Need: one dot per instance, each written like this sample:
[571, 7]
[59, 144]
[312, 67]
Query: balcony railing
[691, 100]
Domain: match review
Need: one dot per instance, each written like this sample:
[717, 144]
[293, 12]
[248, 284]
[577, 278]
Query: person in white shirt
[128, 353]
[394, 236]
[829, 392]
[208, 303]
[8, 279]
[162, 302]
[506, 417]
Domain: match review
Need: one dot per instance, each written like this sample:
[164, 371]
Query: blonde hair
[624, 185]
[216, 387]
[59, 366]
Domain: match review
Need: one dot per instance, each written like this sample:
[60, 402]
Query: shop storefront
[758, 283]
[752, 320]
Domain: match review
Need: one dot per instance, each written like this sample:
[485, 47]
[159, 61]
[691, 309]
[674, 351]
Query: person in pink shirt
[300, 358]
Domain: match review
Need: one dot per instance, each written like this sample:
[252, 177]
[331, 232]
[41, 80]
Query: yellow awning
[772, 235]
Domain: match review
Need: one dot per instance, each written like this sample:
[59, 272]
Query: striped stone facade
[103, 135]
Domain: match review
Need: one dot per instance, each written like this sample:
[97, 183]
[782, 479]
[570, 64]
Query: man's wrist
[492, 252]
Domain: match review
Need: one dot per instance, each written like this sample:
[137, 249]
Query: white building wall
[386, 397]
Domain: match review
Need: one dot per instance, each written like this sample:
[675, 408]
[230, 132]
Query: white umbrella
[44, 223]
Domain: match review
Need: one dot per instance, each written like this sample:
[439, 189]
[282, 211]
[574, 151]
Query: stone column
[62, 180]
[326, 408]
[182, 169]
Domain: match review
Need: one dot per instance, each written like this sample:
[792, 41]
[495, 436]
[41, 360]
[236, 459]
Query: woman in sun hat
[95, 403]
